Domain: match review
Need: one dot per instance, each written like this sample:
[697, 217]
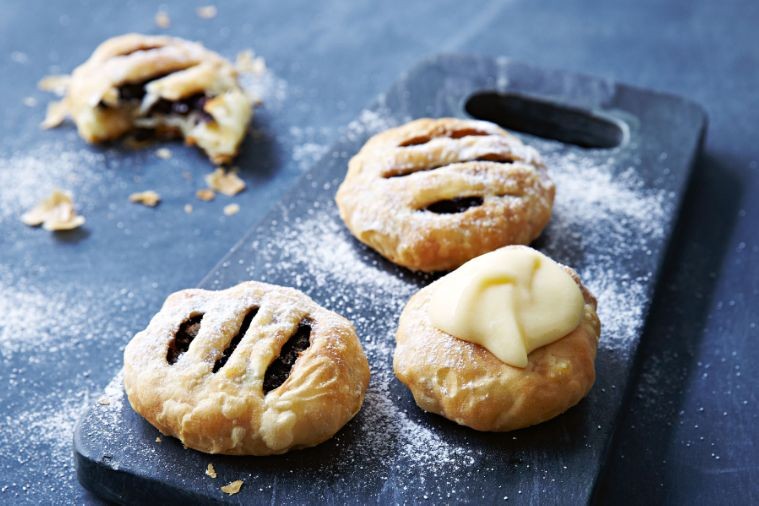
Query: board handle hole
[547, 119]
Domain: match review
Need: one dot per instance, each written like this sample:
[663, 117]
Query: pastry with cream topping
[166, 86]
[255, 369]
[506, 341]
[434, 193]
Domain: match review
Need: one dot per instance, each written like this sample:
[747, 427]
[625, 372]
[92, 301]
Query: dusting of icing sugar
[605, 217]
[265, 86]
[43, 431]
[308, 153]
[370, 122]
[28, 312]
[29, 175]
[317, 255]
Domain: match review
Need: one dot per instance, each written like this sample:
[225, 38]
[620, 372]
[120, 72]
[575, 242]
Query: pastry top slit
[232, 346]
[187, 331]
[279, 370]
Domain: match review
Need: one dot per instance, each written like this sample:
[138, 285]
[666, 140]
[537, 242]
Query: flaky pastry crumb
[205, 194]
[54, 213]
[232, 488]
[147, 198]
[226, 182]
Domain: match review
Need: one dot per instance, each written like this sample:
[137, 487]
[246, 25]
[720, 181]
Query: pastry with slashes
[255, 369]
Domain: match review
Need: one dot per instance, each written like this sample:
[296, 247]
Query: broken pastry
[505, 341]
[255, 369]
[162, 86]
[54, 213]
[434, 193]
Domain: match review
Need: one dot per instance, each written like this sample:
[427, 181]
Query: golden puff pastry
[469, 385]
[165, 85]
[434, 193]
[255, 369]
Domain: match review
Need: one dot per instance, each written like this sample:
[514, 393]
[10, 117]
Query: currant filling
[132, 94]
[188, 331]
[454, 206]
[279, 370]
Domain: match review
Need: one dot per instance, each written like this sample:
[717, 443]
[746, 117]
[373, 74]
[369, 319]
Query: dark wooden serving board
[621, 165]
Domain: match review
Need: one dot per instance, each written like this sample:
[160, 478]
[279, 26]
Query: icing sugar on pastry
[510, 301]
[256, 369]
[434, 193]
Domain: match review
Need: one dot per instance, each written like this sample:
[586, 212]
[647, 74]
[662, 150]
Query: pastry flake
[205, 194]
[231, 209]
[434, 193]
[207, 12]
[56, 114]
[232, 488]
[226, 182]
[54, 213]
[247, 62]
[162, 19]
[469, 385]
[147, 198]
[57, 84]
[210, 471]
[256, 369]
[164, 85]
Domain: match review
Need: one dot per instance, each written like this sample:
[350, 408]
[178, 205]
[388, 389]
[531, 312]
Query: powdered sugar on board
[603, 217]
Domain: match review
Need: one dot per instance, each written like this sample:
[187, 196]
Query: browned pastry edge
[467, 384]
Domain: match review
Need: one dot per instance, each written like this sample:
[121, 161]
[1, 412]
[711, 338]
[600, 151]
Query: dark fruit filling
[454, 206]
[135, 92]
[279, 370]
[188, 330]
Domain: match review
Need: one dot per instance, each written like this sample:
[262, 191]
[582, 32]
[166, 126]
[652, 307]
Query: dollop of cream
[510, 301]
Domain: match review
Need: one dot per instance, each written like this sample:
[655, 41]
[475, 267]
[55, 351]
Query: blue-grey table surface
[69, 303]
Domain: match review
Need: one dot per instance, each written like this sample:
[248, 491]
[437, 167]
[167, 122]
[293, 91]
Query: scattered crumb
[225, 182]
[210, 471]
[188, 208]
[163, 153]
[231, 209]
[104, 401]
[162, 19]
[29, 101]
[56, 113]
[147, 198]
[205, 194]
[207, 11]
[248, 62]
[232, 488]
[56, 212]
[158, 439]
[57, 84]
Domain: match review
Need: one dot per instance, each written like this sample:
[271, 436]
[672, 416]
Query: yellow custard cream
[510, 301]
